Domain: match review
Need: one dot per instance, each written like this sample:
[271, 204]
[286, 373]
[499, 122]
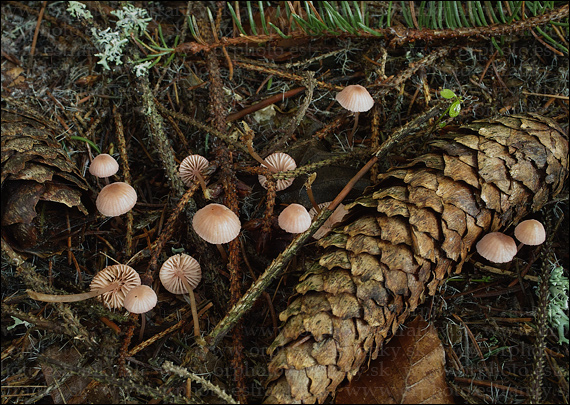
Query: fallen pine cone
[36, 171]
[403, 241]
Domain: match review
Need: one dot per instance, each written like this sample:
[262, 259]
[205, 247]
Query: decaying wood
[403, 240]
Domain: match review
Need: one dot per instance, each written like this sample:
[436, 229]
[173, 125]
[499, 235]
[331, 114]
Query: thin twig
[184, 373]
[126, 175]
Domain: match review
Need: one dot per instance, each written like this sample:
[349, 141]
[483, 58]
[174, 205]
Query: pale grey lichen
[111, 45]
[132, 19]
[558, 305]
[142, 68]
[78, 10]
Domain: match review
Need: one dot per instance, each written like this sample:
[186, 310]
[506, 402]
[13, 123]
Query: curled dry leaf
[409, 370]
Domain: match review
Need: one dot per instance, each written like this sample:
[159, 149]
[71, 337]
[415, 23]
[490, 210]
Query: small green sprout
[455, 108]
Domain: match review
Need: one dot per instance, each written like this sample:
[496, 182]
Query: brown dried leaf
[410, 370]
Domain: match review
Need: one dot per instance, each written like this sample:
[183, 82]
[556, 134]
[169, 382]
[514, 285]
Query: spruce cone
[35, 169]
[403, 241]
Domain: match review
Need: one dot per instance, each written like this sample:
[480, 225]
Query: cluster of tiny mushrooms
[119, 286]
[500, 248]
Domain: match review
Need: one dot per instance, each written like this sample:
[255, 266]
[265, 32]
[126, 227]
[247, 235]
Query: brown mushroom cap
[497, 247]
[355, 98]
[127, 279]
[282, 162]
[216, 224]
[337, 216]
[103, 165]
[140, 299]
[116, 199]
[294, 219]
[177, 267]
[530, 232]
[190, 166]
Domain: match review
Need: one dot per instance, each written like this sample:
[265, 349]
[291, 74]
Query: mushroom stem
[193, 308]
[312, 199]
[143, 325]
[71, 297]
[203, 185]
[222, 252]
[351, 135]
[254, 155]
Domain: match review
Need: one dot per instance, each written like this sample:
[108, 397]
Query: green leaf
[446, 93]
[90, 142]
[279, 31]
[251, 19]
[455, 109]
[236, 20]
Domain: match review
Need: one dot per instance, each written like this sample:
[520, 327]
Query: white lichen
[558, 305]
[132, 19]
[79, 10]
[111, 45]
[142, 68]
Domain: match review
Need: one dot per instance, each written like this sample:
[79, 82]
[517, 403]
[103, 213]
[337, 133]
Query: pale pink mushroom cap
[177, 267]
[140, 299]
[497, 247]
[337, 216]
[355, 98]
[127, 277]
[190, 166]
[116, 199]
[282, 162]
[530, 232]
[103, 165]
[216, 224]
[294, 219]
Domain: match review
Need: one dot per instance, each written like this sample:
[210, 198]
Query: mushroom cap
[530, 232]
[140, 299]
[355, 98]
[337, 216]
[176, 267]
[294, 219]
[103, 165]
[497, 247]
[116, 199]
[216, 224]
[127, 277]
[282, 162]
[190, 166]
